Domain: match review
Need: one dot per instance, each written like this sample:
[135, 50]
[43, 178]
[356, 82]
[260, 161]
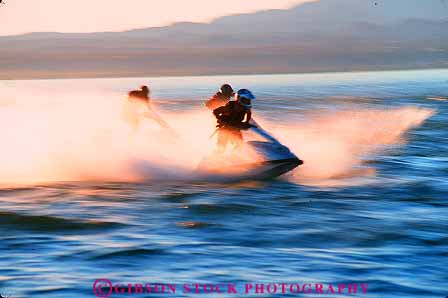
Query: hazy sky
[21, 16]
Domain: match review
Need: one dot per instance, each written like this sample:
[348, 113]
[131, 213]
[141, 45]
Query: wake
[87, 140]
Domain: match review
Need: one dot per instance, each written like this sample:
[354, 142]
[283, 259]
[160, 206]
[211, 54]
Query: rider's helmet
[245, 98]
[226, 90]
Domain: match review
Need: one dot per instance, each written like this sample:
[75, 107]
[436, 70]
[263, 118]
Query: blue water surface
[392, 234]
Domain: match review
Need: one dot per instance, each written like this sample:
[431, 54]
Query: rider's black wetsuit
[231, 122]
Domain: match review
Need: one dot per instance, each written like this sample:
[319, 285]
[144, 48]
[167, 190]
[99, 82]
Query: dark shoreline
[69, 76]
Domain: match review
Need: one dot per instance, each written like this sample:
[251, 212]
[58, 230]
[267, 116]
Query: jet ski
[261, 157]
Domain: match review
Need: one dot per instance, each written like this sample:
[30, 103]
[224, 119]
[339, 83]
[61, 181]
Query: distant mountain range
[326, 35]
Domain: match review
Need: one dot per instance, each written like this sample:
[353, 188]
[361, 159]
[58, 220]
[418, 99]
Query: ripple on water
[50, 223]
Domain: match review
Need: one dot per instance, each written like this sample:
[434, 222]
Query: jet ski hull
[264, 170]
[272, 159]
[275, 168]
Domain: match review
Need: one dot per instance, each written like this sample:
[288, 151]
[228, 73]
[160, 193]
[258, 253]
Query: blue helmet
[245, 98]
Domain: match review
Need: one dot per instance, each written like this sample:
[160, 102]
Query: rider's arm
[221, 110]
[210, 102]
[144, 103]
[248, 116]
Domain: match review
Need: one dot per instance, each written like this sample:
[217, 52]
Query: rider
[221, 98]
[142, 94]
[234, 117]
[138, 102]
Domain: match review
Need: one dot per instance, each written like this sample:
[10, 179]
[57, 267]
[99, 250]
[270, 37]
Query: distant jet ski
[261, 157]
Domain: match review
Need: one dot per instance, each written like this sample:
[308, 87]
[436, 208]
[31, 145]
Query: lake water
[370, 205]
